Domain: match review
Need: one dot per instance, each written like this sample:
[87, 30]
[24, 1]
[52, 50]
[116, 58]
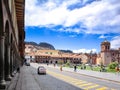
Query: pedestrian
[25, 61]
[18, 69]
[61, 68]
[75, 67]
[117, 69]
[54, 64]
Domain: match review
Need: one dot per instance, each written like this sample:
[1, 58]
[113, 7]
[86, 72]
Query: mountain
[32, 43]
[46, 45]
[66, 51]
[42, 45]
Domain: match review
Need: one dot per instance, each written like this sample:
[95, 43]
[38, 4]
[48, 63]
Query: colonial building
[108, 55]
[12, 37]
[53, 56]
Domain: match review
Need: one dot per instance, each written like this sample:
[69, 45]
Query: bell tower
[105, 52]
[105, 46]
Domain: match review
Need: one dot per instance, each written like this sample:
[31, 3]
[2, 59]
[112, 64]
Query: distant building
[105, 57]
[29, 52]
[108, 55]
[30, 48]
[53, 56]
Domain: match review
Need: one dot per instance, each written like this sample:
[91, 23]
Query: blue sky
[77, 25]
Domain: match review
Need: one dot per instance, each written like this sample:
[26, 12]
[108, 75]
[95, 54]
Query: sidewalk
[23, 81]
[102, 75]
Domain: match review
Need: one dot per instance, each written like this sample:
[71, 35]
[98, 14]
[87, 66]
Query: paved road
[28, 79]
[48, 82]
[89, 81]
[82, 81]
[102, 75]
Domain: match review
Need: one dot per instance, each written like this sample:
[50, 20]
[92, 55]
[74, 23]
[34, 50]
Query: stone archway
[7, 52]
[2, 81]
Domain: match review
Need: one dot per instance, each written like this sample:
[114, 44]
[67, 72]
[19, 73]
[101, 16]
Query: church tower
[105, 46]
[105, 53]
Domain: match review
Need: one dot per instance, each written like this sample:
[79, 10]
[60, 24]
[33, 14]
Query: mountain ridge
[45, 45]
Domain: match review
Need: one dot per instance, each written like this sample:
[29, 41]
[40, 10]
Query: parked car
[41, 70]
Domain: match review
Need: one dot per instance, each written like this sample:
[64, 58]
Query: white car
[41, 70]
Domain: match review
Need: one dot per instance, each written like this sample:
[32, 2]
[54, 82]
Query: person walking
[75, 67]
[61, 68]
[117, 70]
[18, 69]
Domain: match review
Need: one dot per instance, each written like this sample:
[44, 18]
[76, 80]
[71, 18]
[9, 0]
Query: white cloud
[104, 36]
[69, 30]
[85, 50]
[99, 17]
[115, 43]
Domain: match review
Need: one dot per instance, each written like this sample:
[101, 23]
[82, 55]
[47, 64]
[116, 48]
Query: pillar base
[8, 78]
[12, 75]
[2, 84]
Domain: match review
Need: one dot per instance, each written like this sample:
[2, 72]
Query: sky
[77, 25]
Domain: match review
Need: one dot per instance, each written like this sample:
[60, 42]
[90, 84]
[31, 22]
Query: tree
[112, 65]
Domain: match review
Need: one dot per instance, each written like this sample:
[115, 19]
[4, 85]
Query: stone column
[2, 81]
[11, 63]
[14, 62]
[7, 63]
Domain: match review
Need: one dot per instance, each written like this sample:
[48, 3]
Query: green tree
[112, 65]
[68, 64]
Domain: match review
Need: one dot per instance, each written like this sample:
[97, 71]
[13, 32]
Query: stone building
[12, 37]
[107, 54]
[53, 56]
